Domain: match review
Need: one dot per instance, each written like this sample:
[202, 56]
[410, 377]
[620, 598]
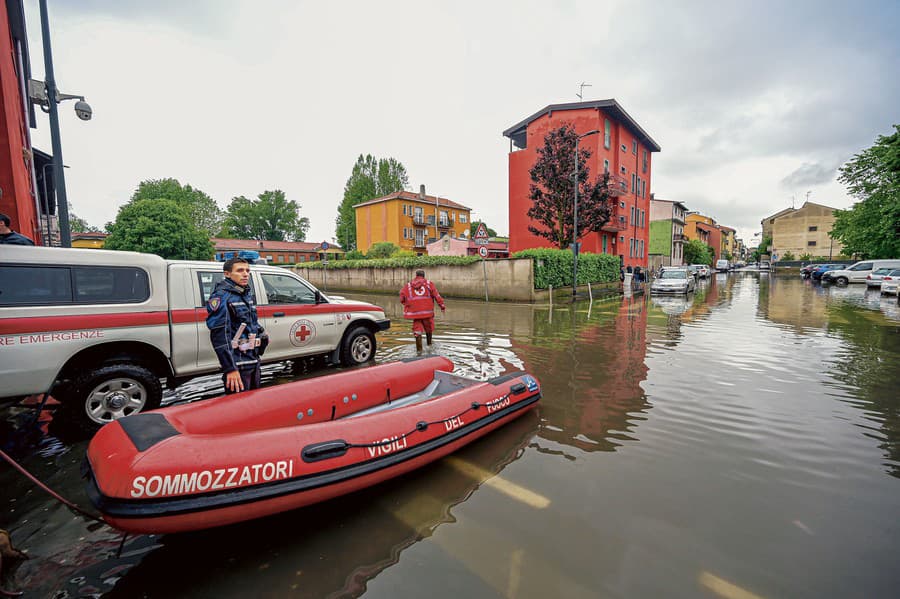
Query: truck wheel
[110, 392]
[358, 347]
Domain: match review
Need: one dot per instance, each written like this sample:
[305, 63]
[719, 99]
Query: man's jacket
[418, 298]
[13, 238]
[230, 306]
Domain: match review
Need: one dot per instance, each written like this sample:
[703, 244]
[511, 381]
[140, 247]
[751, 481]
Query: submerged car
[674, 280]
[820, 269]
[699, 270]
[874, 279]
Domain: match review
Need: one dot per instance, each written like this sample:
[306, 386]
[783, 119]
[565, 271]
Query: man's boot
[428, 337]
[418, 343]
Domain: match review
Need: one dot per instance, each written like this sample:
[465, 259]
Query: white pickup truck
[99, 329]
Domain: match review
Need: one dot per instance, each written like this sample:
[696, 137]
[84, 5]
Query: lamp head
[83, 110]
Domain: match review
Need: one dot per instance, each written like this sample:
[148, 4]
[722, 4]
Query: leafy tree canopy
[552, 190]
[697, 252]
[270, 217]
[161, 227]
[203, 210]
[871, 228]
[474, 227]
[370, 178]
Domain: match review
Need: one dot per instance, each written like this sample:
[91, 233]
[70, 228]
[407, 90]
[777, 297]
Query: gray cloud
[809, 174]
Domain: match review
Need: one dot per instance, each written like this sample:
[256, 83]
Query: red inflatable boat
[260, 452]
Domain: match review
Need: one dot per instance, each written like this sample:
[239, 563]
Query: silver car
[674, 280]
[890, 282]
[874, 279]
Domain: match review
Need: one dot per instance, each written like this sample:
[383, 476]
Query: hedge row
[554, 267]
[403, 262]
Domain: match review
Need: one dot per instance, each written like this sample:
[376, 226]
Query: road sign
[324, 246]
[482, 251]
[481, 232]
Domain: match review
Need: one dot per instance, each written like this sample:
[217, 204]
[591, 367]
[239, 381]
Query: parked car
[874, 279]
[858, 272]
[674, 280]
[723, 266]
[701, 270]
[890, 282]
[821, 269]
[806, 271]
[98, 329]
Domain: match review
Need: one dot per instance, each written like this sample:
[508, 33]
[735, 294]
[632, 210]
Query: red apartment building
[622, 148]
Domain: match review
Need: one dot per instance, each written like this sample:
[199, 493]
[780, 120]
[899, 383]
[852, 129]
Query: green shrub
[788, 256]
[397, 262]
[806, 257]
[554, 267]
[354, 255]
[382, 249]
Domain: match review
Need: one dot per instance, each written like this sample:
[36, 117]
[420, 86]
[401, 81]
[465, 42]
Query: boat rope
[422, 426]
[48, 490]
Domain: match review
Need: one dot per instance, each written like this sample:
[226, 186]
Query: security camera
[83, 110]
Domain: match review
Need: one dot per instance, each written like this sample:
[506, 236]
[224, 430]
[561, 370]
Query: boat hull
[250, 455]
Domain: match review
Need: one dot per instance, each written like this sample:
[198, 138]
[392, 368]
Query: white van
[858, 272]
[722, 266]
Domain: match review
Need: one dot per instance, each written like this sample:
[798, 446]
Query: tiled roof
[283, 246]
[414, 197]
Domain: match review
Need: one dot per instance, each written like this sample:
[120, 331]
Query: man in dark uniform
[10, 237]
[234, 329]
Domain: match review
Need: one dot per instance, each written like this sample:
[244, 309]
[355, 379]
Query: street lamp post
[82, 109]
[575, 229]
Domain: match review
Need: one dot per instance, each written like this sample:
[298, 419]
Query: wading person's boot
[428, 337]
[418, 343]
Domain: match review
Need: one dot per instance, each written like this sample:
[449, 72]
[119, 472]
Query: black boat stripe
[150, 508]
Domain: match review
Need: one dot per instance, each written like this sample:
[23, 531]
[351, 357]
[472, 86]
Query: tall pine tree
[371, 178]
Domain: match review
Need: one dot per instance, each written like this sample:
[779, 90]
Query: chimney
[421, 192]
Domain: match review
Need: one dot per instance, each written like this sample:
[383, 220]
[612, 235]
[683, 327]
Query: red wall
[586, 119]
[15, 167]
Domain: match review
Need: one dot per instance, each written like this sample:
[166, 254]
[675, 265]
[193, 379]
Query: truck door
[205, 280]
[296, 325]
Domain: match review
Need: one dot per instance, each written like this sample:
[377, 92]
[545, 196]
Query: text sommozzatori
[186, 483]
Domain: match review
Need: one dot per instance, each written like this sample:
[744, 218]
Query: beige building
[802, 231]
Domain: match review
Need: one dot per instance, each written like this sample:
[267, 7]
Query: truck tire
[108, 393]
[358, 346]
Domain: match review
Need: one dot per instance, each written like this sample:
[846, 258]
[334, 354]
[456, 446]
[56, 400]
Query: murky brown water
[746, 439]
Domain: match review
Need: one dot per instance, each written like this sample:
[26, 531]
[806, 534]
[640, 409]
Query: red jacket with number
[418, 297]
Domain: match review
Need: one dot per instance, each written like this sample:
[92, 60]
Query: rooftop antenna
[807, 195]
[792, 202]
[580, 93]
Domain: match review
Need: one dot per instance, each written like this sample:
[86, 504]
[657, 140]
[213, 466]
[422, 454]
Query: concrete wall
[510, 280]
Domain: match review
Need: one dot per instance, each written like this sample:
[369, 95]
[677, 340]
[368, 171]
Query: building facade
[410, 221]
[667, 231]
[621, 148]
[704, 228]
[802, 231]
[729, 243]
[460, 246]
[278, 252]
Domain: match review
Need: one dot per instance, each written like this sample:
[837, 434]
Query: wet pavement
[745, 439]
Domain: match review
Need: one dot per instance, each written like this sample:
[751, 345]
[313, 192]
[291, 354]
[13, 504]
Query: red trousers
[423, 325]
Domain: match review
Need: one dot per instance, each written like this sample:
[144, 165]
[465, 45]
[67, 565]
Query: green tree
[370, 178]
[270, 217]
[552, 190]
[697, 252]
[161, 227]
[474, 226]
[382, 249]
[79, 225]
[871, 228]
[788, 256]
[203, 210]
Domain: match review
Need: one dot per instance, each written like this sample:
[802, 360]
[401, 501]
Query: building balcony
[618, 185]
[419, 243]
[446, 223]
[617, 221]
[419, 220]
[679, 237]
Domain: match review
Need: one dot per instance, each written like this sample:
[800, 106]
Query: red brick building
[278, 252]
[622, 148]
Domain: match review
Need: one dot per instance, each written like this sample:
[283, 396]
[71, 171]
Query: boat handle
[518, 388]
[278, 314]
[325, 450]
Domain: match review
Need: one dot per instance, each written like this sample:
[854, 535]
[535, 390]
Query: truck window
[208, 280]
[282, 289]
[35, 285]
[110, 285]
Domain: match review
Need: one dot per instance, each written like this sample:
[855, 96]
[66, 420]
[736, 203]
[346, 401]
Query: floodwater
[741, 442]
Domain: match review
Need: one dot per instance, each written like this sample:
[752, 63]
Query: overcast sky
[751, 102]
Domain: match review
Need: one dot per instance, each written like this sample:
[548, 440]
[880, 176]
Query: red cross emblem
[303, 332]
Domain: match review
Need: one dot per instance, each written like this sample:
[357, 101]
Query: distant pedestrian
[10, 237]
[418, 298]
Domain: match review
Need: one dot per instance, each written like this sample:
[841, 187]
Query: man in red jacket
[418, 298]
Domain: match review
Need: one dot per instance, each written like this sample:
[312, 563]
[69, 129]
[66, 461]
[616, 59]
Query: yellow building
[88, 240]
[410, 220]
[803, 231]
[729, 242]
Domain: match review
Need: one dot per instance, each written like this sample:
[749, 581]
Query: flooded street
[745, 439]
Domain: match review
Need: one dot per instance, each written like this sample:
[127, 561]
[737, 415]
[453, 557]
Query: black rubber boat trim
[152, 508]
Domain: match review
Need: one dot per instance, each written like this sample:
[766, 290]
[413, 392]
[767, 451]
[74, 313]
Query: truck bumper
[383, 325]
